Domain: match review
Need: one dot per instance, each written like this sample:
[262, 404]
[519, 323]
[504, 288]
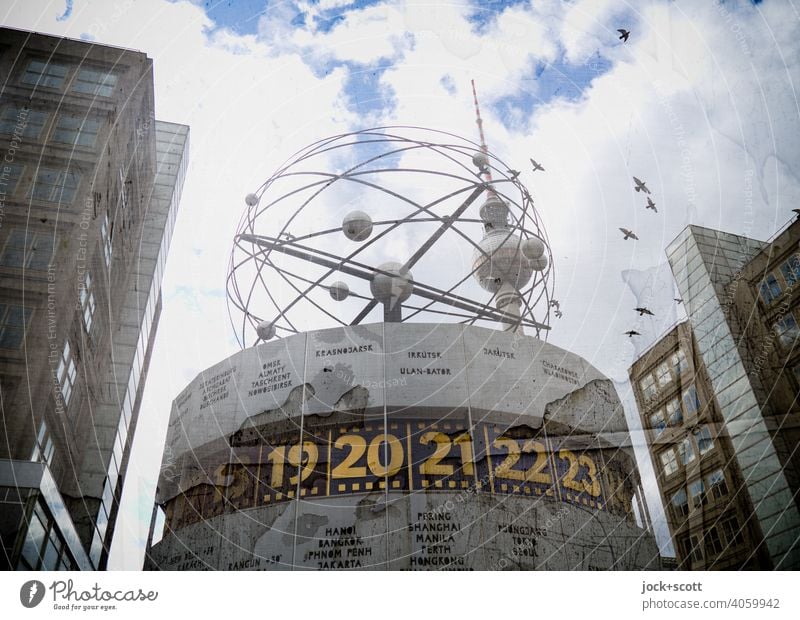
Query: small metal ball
[265, 330]
[357, 226]
[395, 286]
[533, 248]
[251, 200]
[339, 291]
[481, 160]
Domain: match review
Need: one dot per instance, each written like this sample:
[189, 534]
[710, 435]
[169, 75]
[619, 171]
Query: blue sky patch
[546, 82]
[484, 12]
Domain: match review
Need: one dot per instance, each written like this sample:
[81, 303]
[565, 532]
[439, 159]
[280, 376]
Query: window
[704, 441]
[105, 235]
[674, 413]
[43, 449]
[66, 373]
[716, 484]
[679, 363]
[668, 462]
[787, 331]
[691, 403]
[41, 73]
[14, 320]
[662, 375]
[791, 270]
[713, 542]
[657, 421]
[87, 301]
[19, 119]
[648, 385]
[27, 250]
[56, 185]
[680, 504]
[686, 451]
[9, 177]
[770, 289]
[697, 493]
[730, 528]
[95, 82]
[697, 549]
[81, 130]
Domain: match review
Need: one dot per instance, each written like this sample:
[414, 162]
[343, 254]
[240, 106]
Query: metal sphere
[251, 200]
[339, 291]
[494, 211]
[480, 160]
[504, 263]
[357, 226]
[539, 264]
[265, 330]
[394, 288]
[533, 248]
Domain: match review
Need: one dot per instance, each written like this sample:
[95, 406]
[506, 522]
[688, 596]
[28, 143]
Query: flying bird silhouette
[514, 174]
[632, 333]
[643, 311]
[651, 204]
[628, 234]
[554, 303]
[536, 166]
[640, 186]
[559, 314]
[623, 34]
[680, 301]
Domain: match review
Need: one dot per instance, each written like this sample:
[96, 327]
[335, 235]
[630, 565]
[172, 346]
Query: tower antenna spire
[479, 121]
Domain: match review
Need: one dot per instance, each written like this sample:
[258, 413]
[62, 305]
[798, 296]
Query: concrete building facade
[89, 191]
[741, 299]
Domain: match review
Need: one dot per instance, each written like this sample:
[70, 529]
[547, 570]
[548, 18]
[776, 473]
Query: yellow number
[308, 464]
[464, 442]
[535, 473]
[277, 457]
[592, 486]
[504, 469]
[345, 469]
[569, 478]
[395, 455]
[432, 466]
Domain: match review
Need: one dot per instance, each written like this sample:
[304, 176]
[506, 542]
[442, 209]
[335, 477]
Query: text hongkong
[67, 592]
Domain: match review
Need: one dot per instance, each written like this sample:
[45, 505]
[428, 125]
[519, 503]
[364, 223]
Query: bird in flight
[632, 333]
[640, 186]
[797, 213]
[680, 301]
[628, 234]
[643, 311]
[288, 236]
[554, 303]
[536, 165]
[559, 314]
[651, 204]
[514, 174]
[623, 34]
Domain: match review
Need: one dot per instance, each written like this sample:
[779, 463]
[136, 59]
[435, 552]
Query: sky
[700, 102]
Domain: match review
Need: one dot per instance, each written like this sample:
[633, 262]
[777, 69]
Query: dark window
[14, 320]
[40, 73]
[770, 289]
[56, 185]
[21, 120]
[94, 82]
[791, 270]
[27, 249]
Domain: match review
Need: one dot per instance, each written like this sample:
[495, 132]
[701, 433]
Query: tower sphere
[539, 264]
[265, 330]
[533, 248]
[394, 288]
[505, 261]
[339, 291]
[251, 200]
[357, 226]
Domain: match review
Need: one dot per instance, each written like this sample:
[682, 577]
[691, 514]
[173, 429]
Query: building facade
[710, 520]
[89, 187]
[742, 334]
